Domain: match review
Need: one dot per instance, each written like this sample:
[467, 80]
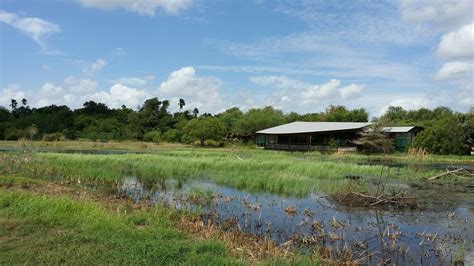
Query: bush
[172, 135]
[52, 137]
[15, 134]
[152, 136]
[187, 139]
[213, 143]
[444, 136]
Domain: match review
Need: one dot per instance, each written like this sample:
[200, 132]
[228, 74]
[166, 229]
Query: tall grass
[259, 170]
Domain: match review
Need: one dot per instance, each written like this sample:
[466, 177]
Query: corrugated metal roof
[310, 127]
[397, 129]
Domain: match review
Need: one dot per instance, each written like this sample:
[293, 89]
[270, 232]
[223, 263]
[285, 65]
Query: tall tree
[181, 104]
[13, 104]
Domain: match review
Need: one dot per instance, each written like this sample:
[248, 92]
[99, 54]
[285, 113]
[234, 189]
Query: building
[310, 135]
[402, 136]
[326, 135]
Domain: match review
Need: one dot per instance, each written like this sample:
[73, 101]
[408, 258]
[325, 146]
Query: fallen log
[446, 173]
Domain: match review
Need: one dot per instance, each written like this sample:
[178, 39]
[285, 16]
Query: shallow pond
[431, 236]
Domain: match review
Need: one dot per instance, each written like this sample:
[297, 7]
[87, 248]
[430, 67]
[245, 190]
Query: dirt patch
[383, 201]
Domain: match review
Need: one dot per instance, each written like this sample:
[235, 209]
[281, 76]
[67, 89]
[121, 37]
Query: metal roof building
[327, 135]
[313, 127]
[310, 135]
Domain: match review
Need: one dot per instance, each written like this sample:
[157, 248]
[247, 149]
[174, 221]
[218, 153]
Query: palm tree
[181, 104]
[14, 104]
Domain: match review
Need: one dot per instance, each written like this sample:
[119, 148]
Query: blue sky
[295, 55]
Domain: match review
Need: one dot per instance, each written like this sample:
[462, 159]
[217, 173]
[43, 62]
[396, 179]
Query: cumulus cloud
[142, 7]
[119, 95]
[201, 92]
[95, 67]
[80, 86]
[352, 90]
[49, 89]
[11, 92]
[458, 44]
[37, 29]
[295, 91]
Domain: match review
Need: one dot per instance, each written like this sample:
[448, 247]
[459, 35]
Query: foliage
[96, 121]
[152, 136]
[204, 128]
[444, 136]
[375, 141]
[258, 119]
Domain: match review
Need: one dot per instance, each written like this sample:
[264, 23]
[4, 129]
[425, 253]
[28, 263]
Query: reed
[255, 170]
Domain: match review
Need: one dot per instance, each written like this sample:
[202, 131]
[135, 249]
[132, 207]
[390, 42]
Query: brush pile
[395, 200]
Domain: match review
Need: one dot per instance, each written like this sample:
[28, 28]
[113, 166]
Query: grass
[271, 171]
[40, 229]
[49, 223]
[148, 147]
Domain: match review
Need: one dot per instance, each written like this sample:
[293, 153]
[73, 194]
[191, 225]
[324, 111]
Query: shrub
[152, 136]
[214, 143]
[171, 135]
[52, 137]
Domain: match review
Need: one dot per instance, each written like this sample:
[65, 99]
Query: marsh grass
[269, 171]
[200, 195]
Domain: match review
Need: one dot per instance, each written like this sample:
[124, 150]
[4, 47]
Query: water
[419, 237]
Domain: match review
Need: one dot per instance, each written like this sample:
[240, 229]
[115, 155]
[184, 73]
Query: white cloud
[134, 81]
[437, 15]
[11, 92]
[80, 86]
[456, 70]
[200, 92]
[352, 90]
[458, 44]
[307, 92]
[37, 29]
[119, 95]
[279, 82]
[142, 7]
[325, 90]
[49, 89]
[95, 67]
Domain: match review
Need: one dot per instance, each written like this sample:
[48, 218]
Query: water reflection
[373, 236]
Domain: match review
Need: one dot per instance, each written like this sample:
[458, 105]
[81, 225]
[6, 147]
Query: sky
[294, 55]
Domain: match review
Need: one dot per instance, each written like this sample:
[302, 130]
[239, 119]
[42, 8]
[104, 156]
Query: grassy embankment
[37, 229]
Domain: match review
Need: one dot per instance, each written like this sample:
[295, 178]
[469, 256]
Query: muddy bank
[367, 235]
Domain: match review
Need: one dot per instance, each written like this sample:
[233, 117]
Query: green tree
[204, 128]
[181, 104]
[443, 136]
[258, 119]
[229, 118]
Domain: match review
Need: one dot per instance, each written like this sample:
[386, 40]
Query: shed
[403, 136]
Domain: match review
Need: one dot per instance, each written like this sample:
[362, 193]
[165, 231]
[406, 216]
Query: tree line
[154, 122]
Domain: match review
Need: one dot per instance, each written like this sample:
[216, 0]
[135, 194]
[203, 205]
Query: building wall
[313, 141]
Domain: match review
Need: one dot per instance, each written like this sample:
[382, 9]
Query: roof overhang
[313, 127]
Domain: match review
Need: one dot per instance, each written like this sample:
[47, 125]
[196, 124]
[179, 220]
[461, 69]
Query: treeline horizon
[154, 122]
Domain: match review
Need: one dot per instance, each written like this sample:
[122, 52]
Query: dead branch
[446, 173]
